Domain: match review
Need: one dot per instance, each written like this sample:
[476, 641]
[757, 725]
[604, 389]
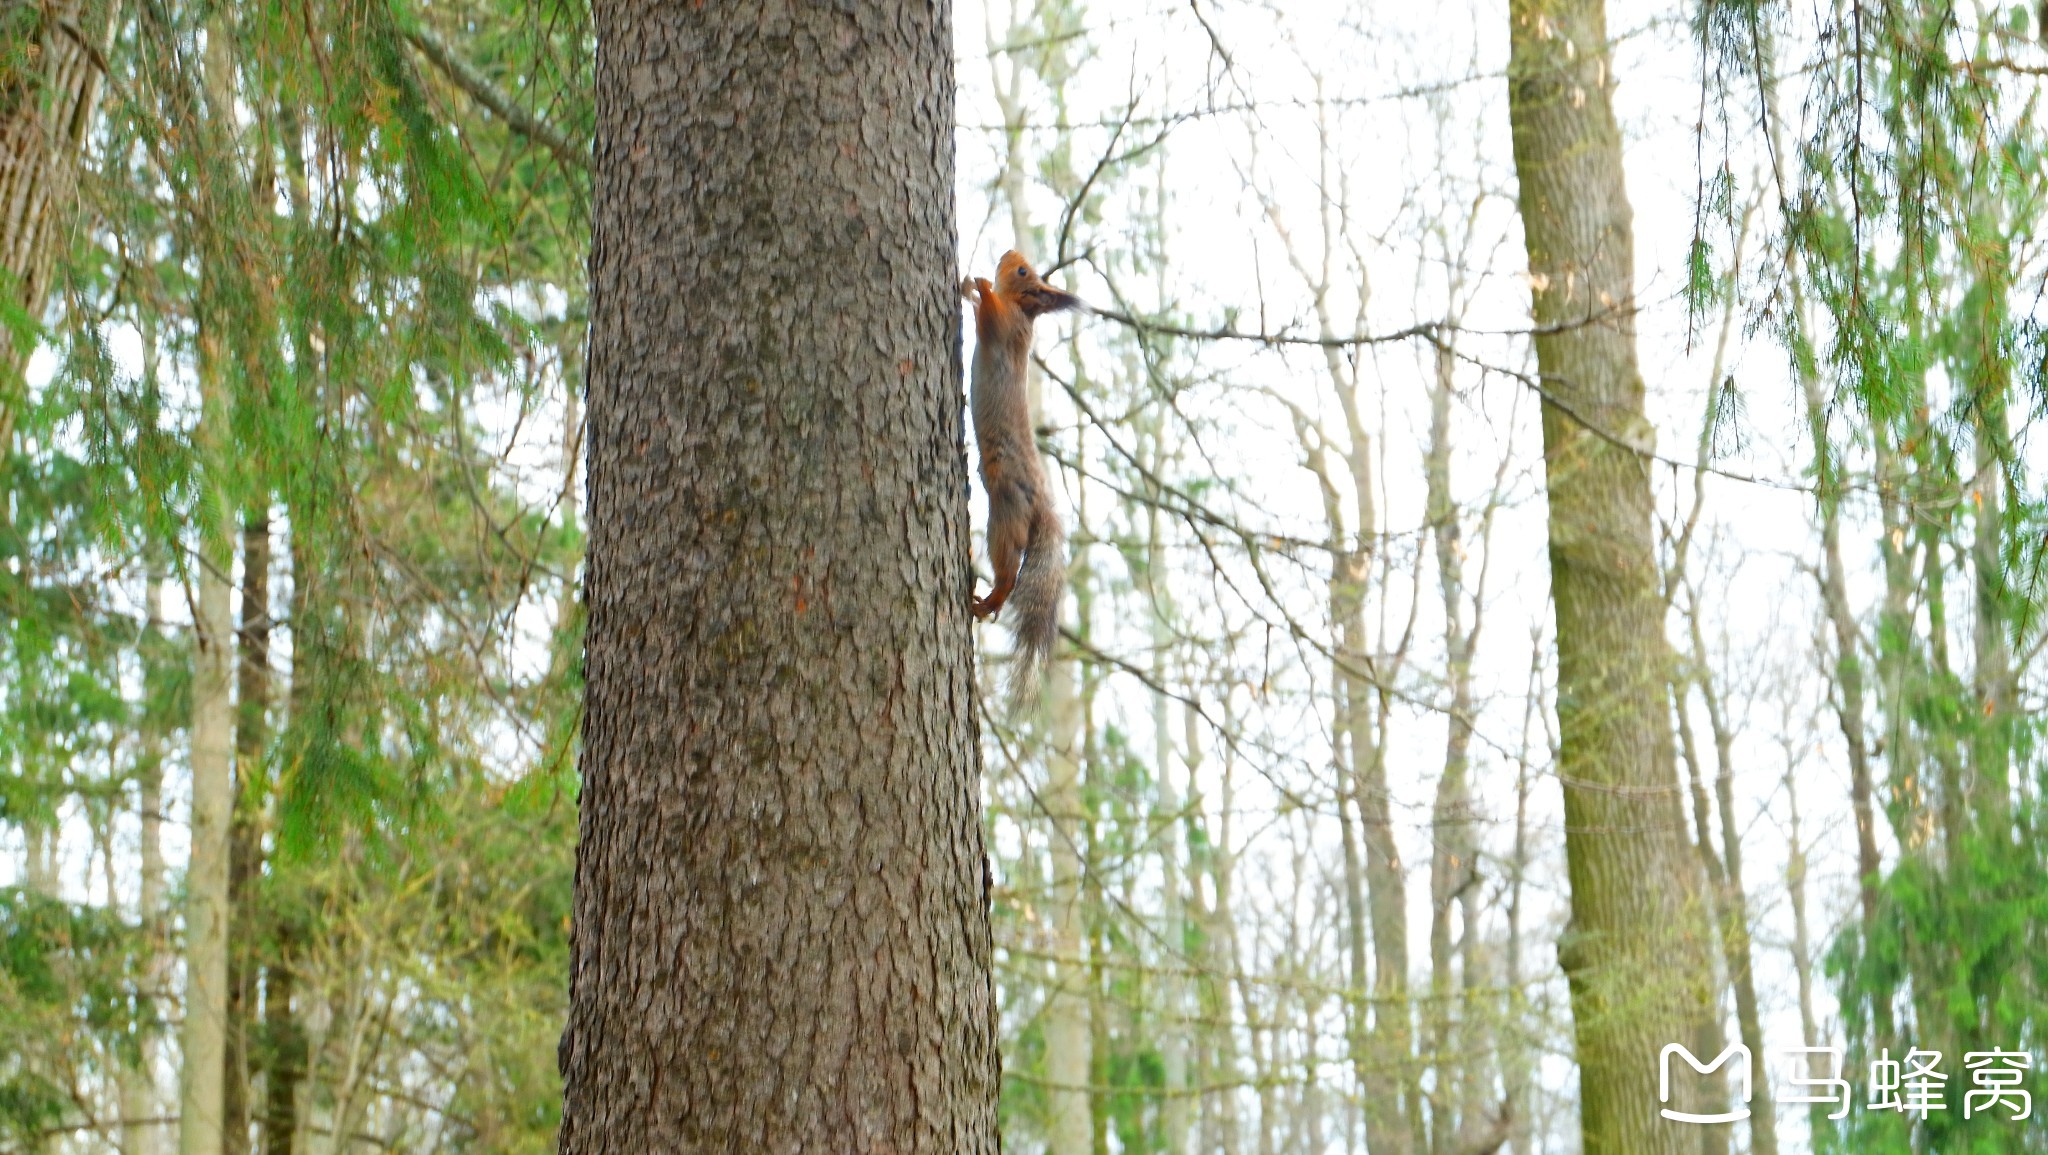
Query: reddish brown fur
[1025, 539]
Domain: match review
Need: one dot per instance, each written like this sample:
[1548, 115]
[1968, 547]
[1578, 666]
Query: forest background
[292, 356]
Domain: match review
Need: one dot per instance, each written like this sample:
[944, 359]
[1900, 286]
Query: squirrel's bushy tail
[1035, 605]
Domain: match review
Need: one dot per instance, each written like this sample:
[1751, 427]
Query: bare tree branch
[465, 76]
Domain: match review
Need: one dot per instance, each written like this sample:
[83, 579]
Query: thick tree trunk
[782, 938]
[44, 123]
[1636, 948]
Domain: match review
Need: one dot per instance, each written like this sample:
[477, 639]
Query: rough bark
[1635, 950]
[782, 938]
[45, 118]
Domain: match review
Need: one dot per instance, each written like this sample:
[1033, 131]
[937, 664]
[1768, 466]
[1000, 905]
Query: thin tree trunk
[1713, 1140]
[1453, 868]
[1069, 1032]
[1636, 947]
[284, 1042]
[1988, 374]
[1848, 638]
[310, 711]
[1226, 1131]
[782, 938]
[1802, 941]
[1735, 938]
[1068, 1052]
[1731, 919]
[139, 1101]
[245, 836]
[1172, 1030]
[1375, 886]
[1848, 672]
[1834, 589]
[1517, 1060]
[201, 1122]
[40, 875]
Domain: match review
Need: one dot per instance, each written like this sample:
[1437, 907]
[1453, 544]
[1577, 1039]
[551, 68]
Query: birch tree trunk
[781, 924]
[1636, 947]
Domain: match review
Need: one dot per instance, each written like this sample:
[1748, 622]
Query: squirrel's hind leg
[1006, 553]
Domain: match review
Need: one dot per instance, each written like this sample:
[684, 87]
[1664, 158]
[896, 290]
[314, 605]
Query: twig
[465, 76]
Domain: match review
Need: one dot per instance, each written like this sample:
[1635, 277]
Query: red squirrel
[1026, 543]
